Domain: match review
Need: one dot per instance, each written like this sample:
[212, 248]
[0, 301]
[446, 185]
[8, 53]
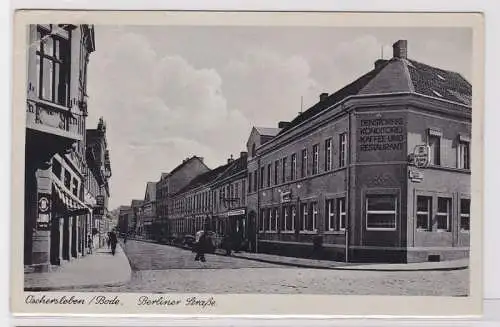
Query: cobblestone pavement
[153, 273]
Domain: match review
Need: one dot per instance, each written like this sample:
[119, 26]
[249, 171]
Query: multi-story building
[125, 220]
[98, 173]
[147, 212]
[159, 226]
[377, 171]
[56, 217]
[192, 206]
[229, 199]
[136, 206]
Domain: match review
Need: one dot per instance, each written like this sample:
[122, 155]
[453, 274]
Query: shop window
[276, 172]
[285, 213]
[269, 220]
[465, 214]
[293, 215]
[381, 212]
[315, 168]
[424, 212]
[342, 149]
[274, 226]
[341, 213]
[328, 154]
[443, 214]
[293, 167]
[435, 148]
[330, 215]
[303, 216]
[53, 65]
[464, 155]
[283, 170]
[303, 164]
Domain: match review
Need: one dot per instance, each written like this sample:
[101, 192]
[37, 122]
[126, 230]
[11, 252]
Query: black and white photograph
[248, 159]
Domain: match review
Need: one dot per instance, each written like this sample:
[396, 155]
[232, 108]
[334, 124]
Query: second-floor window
[315, 169]
[283, 169]
[53, 64]
[342, 149]
[328, 155]
[435, 148]
[293, 167]
[303, 164]
[464, 155]
[261, 183]
[268, 175]
[276, 172]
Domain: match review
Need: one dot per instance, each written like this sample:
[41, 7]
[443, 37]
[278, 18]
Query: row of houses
[377, 171]
[67, 164]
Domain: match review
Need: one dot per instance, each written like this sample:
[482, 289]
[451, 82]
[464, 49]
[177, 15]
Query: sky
[170, 92]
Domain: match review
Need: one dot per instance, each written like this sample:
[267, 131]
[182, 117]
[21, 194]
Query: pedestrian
[109, 240]
[226, 244]
[89, 244]
[113, 240]
[201, 247]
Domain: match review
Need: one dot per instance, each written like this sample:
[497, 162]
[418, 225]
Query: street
[165, 269]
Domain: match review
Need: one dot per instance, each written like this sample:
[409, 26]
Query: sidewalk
[327, 264]
[95, 270]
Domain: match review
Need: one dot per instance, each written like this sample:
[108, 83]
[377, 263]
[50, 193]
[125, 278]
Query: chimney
[379, 63]
[230, 159]
[323, 96]
[400, 49]
[243, 154]
[283, 124]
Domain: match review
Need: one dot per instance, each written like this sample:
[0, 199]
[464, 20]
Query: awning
[73, 205]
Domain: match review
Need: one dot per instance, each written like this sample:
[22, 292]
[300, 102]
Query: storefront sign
[421, 156]
[286, 196]
[416, 176]
[381, 134]
[43, 221]
[236, 212]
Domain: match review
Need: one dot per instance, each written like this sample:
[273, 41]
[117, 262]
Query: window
[275, 219]
[268, 175]
[67, 179]
[315, 159]
[341, 214]
[261, 184]
[75, 187]
[293, 214]
[53, 64]
[303, 218]
[381, 212]
[255, 178]
[286, 218]
[443, 214]
[276, 172]
[343, 149]
[293, 167]
[268, 220]
[303, 164]
[328, 155]
[424, 209]
[435, 149]
[330, 215]
[283, 169]
[253, 150]
[262, 220]
[313, 217]
[243, 195]
[464, 155]
[465, 214]
[249, 182]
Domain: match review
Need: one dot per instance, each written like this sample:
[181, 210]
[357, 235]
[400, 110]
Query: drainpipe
[348, 193]
[257, 220]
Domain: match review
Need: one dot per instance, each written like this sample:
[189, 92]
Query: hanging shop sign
[43, 219]
[421, 156]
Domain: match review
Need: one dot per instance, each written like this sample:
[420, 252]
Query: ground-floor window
[274, 219]
[330, 215]
[303, 216]
[341, 213]
[443, 214]
[424, 213]
[381, 212]
[465, 214]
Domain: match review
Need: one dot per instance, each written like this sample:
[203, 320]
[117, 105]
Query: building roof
[185, 162]
[235, 167]
[397, 75]
[268, 131]
[204, 178]
[150, 192]
[136, 203]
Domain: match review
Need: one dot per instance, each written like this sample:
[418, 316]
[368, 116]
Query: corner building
[343, 180]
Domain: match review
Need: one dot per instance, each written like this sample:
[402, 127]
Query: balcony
[50, 128]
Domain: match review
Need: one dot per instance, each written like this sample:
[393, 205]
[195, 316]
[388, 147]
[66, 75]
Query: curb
[347, 267]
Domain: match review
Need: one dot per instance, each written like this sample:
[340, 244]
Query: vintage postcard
[247, 163]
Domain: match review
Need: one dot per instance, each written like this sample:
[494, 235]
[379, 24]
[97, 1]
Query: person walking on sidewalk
[89, 244]
[201, 247]
[113, 240]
